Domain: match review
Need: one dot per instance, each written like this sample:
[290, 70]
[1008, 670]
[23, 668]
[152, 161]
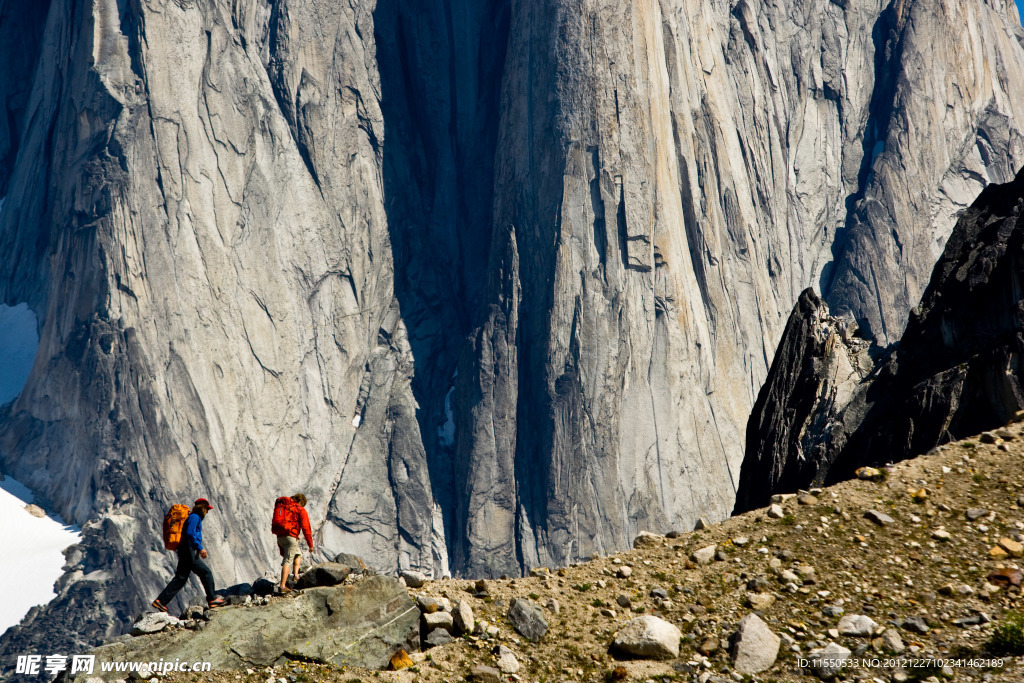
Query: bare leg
[284, 577]
[298, 561]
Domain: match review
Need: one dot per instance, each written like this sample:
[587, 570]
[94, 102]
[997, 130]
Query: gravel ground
[928, 565]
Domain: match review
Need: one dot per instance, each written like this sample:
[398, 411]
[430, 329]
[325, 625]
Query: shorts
[289, 546]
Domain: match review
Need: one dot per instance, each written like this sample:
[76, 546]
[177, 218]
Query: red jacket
[304, 520]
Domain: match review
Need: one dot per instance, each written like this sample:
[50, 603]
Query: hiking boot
[218, 602]
[282, 591]
[159, 606]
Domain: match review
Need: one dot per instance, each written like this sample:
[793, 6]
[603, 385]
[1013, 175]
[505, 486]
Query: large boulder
[754, 648]
[527, 619]
[362, 624]
[648, 637]
[413, 579]
[323, 574]
[353, 562]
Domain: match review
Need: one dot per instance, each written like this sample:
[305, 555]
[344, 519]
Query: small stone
[610, 613]
[780, 498]
[623, 601]
[539, 572]
[624, 572]
[193, 612]
[806, 499]
[438, 637]
[786, 576]
[998, 553]
[974, 514]
[154, 622]
[758, 584]
[435, 620]
[704, 555]
[553, 606]
[485, 674]
[827, 662]
[806, 572]
[645, 539]
[879, 518]
[775, 511]
[428, 605]
[413, 579]
[400, 660]
[740, 541]
[891, 641]
[754, 647]
[869, 473]
[506, 660]
[857, 625]
[915, 625]
[659, 593]
[648, 637]
[760, 601]
[462, 618]
[708, 646]
[701, 524]
[942, 535]
[1012, 547]
[988, 437]
[526, 618]
[353, 562]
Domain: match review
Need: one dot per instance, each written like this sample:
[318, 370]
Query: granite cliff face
[955, 372]
[494, 283]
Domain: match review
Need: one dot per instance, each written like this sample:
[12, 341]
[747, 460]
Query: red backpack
[286, 517]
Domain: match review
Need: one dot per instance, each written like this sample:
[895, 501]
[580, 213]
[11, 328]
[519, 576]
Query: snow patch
[32, 552]
[19, 340]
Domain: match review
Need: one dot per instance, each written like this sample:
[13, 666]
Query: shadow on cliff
[441, 66]
[886, 35]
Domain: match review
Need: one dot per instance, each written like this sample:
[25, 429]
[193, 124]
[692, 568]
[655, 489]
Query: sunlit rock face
[495, 284]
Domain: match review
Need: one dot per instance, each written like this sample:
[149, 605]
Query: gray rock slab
[753, 647]
[357, 625]
[647, 637]
[527, 619]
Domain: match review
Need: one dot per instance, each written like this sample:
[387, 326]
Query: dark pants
[189, 562]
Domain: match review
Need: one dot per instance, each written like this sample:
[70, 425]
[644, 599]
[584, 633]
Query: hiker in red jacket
[290, 516]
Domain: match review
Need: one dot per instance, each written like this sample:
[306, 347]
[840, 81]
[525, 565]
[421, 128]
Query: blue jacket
[193, 531]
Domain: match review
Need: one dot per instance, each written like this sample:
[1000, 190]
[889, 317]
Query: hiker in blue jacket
[191, 554]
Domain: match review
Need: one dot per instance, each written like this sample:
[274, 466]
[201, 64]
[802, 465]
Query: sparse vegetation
[1008, 636]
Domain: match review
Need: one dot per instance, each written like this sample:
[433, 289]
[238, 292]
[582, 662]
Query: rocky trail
[918, 564]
